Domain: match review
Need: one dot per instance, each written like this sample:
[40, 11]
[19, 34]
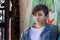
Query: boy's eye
[34, 14]
[39, 14]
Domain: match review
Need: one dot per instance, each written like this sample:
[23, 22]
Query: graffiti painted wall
[54, 13]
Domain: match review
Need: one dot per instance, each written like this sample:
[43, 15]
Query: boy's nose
[38, 17]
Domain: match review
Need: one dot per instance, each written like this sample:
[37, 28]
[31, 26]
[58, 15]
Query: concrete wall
[25, 9]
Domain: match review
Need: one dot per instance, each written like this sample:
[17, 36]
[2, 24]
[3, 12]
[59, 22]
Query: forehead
[40, 12]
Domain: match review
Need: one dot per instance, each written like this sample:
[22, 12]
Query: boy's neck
[39, 25]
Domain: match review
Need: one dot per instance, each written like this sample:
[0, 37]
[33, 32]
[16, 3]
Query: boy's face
[39, 17]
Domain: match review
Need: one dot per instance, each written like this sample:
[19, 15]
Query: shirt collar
[47, 26]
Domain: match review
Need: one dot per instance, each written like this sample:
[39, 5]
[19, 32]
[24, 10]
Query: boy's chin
[38, 23]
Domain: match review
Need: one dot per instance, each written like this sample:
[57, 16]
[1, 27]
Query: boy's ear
[47, 16]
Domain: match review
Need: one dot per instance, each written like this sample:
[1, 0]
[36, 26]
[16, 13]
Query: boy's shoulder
[53, 26]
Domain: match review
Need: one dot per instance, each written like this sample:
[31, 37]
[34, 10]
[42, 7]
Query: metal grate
[2, 33]
[2, 19]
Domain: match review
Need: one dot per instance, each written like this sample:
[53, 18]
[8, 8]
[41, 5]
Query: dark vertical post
[6, 19]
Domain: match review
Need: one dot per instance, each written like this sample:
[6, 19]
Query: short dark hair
[40, 7]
